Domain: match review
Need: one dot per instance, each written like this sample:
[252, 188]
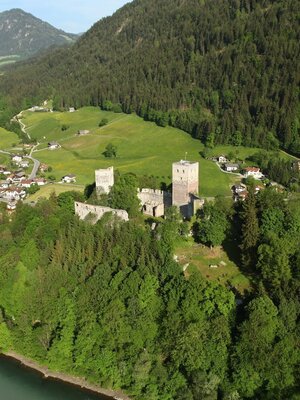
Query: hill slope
[226, 71]
[22, 34]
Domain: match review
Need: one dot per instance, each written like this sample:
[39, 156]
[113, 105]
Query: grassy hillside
[223, 70]
[7, 139]
[143, 147]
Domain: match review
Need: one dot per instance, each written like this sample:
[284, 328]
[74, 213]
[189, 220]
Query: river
[21, 383]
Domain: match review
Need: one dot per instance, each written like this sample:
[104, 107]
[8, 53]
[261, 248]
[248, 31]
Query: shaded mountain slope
[226, 71]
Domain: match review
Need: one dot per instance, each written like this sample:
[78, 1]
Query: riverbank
[80, 382]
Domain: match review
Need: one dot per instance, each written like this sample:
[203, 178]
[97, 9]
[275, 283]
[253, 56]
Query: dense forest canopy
[108, 301]
[225, 71]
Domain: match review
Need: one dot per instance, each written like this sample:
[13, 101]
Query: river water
[21, 383]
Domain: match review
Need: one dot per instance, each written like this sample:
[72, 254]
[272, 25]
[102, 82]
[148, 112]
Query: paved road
[35, 168]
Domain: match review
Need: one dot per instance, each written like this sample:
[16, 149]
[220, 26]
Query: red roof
[252, 169]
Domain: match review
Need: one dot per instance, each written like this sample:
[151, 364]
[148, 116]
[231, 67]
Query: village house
[53, 145]
[43, 167]
[17, 159]
[71, 109]
[4, 184]
[238, 188]
[6, 172]
[40, 181]
[228, 167]
[252, 171]
[70, 178]
[222, 159]
[14, 193]
[24, 164]
[26, 183]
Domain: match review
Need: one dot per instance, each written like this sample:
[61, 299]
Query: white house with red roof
[253, 171]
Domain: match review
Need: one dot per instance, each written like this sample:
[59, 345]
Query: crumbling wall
[83, 210]
[153, 201]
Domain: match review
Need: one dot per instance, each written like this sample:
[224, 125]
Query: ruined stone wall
[150, 196]
[104, 179]
[154, 201]
[83, 210]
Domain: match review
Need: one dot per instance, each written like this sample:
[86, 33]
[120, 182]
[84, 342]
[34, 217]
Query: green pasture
[241, 152]
[57, 188]
[7, 139]
[143, 147]
[200, 258]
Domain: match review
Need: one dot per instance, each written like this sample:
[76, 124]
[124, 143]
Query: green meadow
[7, 139]
[143, 148]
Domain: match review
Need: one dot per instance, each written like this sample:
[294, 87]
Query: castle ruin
[104, 179]
[96, 212]
[185, 184]
[154, 201]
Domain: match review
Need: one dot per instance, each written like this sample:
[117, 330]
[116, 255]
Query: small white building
[252, 171]
[40, 181]
[70, 178]
[53, 145]
[222, 159]
[83, 132]
[71, 109]
[228, 167]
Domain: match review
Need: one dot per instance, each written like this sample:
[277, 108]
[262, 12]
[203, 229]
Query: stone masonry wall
[83, 210]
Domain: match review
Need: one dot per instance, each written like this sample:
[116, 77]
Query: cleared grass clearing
[57, 188]
[200, 258]
[143, 147]
[242, 152]
[7, 139]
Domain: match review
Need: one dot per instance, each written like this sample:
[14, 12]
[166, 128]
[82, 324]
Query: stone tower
[185, 181]
[104, 180]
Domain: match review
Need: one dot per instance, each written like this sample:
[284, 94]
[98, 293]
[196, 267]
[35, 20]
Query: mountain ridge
[23, 34]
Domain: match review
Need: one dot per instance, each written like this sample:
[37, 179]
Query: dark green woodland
[108, 302]
[225, 71]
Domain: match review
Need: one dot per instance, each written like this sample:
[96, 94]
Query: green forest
[225, 71]
[108, 301]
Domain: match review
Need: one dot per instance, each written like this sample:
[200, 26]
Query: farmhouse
[222, 159]
[43, 167]
[70, 178]
[228, 167]
[252, 171]
[39, 181]
[53, 145]
[26, 183]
